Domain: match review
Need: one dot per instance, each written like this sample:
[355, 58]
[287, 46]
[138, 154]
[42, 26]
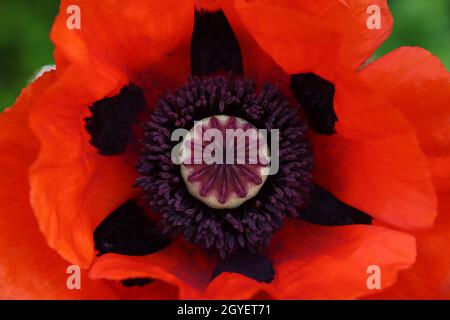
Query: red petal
[316, 35]
[257, 64]
[295, 40]
[73, 188]
[144, 41]
[429, 278]
[418, 85]
[29, 268]
[358, 41]
[181, 264]
[374, 162]
[316, 262]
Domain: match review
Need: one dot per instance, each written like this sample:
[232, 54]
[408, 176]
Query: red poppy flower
[379, 136]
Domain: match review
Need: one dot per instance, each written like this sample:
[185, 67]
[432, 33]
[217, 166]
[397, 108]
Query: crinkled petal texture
[418, 85]
[374, 161]
[181, 264]
[73, 188]
[315, 35]
[317, 262]
[292, 38]
[311, 262]
[373, 140]
[257, 63]
[263, 48]
[29, 269]
[379, 161]
[144, 41]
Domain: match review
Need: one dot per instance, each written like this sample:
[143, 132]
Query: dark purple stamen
[112, 118]
[252, 224]
[316, 96]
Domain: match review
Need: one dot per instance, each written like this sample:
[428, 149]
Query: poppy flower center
[225, 207]
[224, 161]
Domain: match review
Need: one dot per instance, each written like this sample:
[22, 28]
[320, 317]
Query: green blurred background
[25, 46]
